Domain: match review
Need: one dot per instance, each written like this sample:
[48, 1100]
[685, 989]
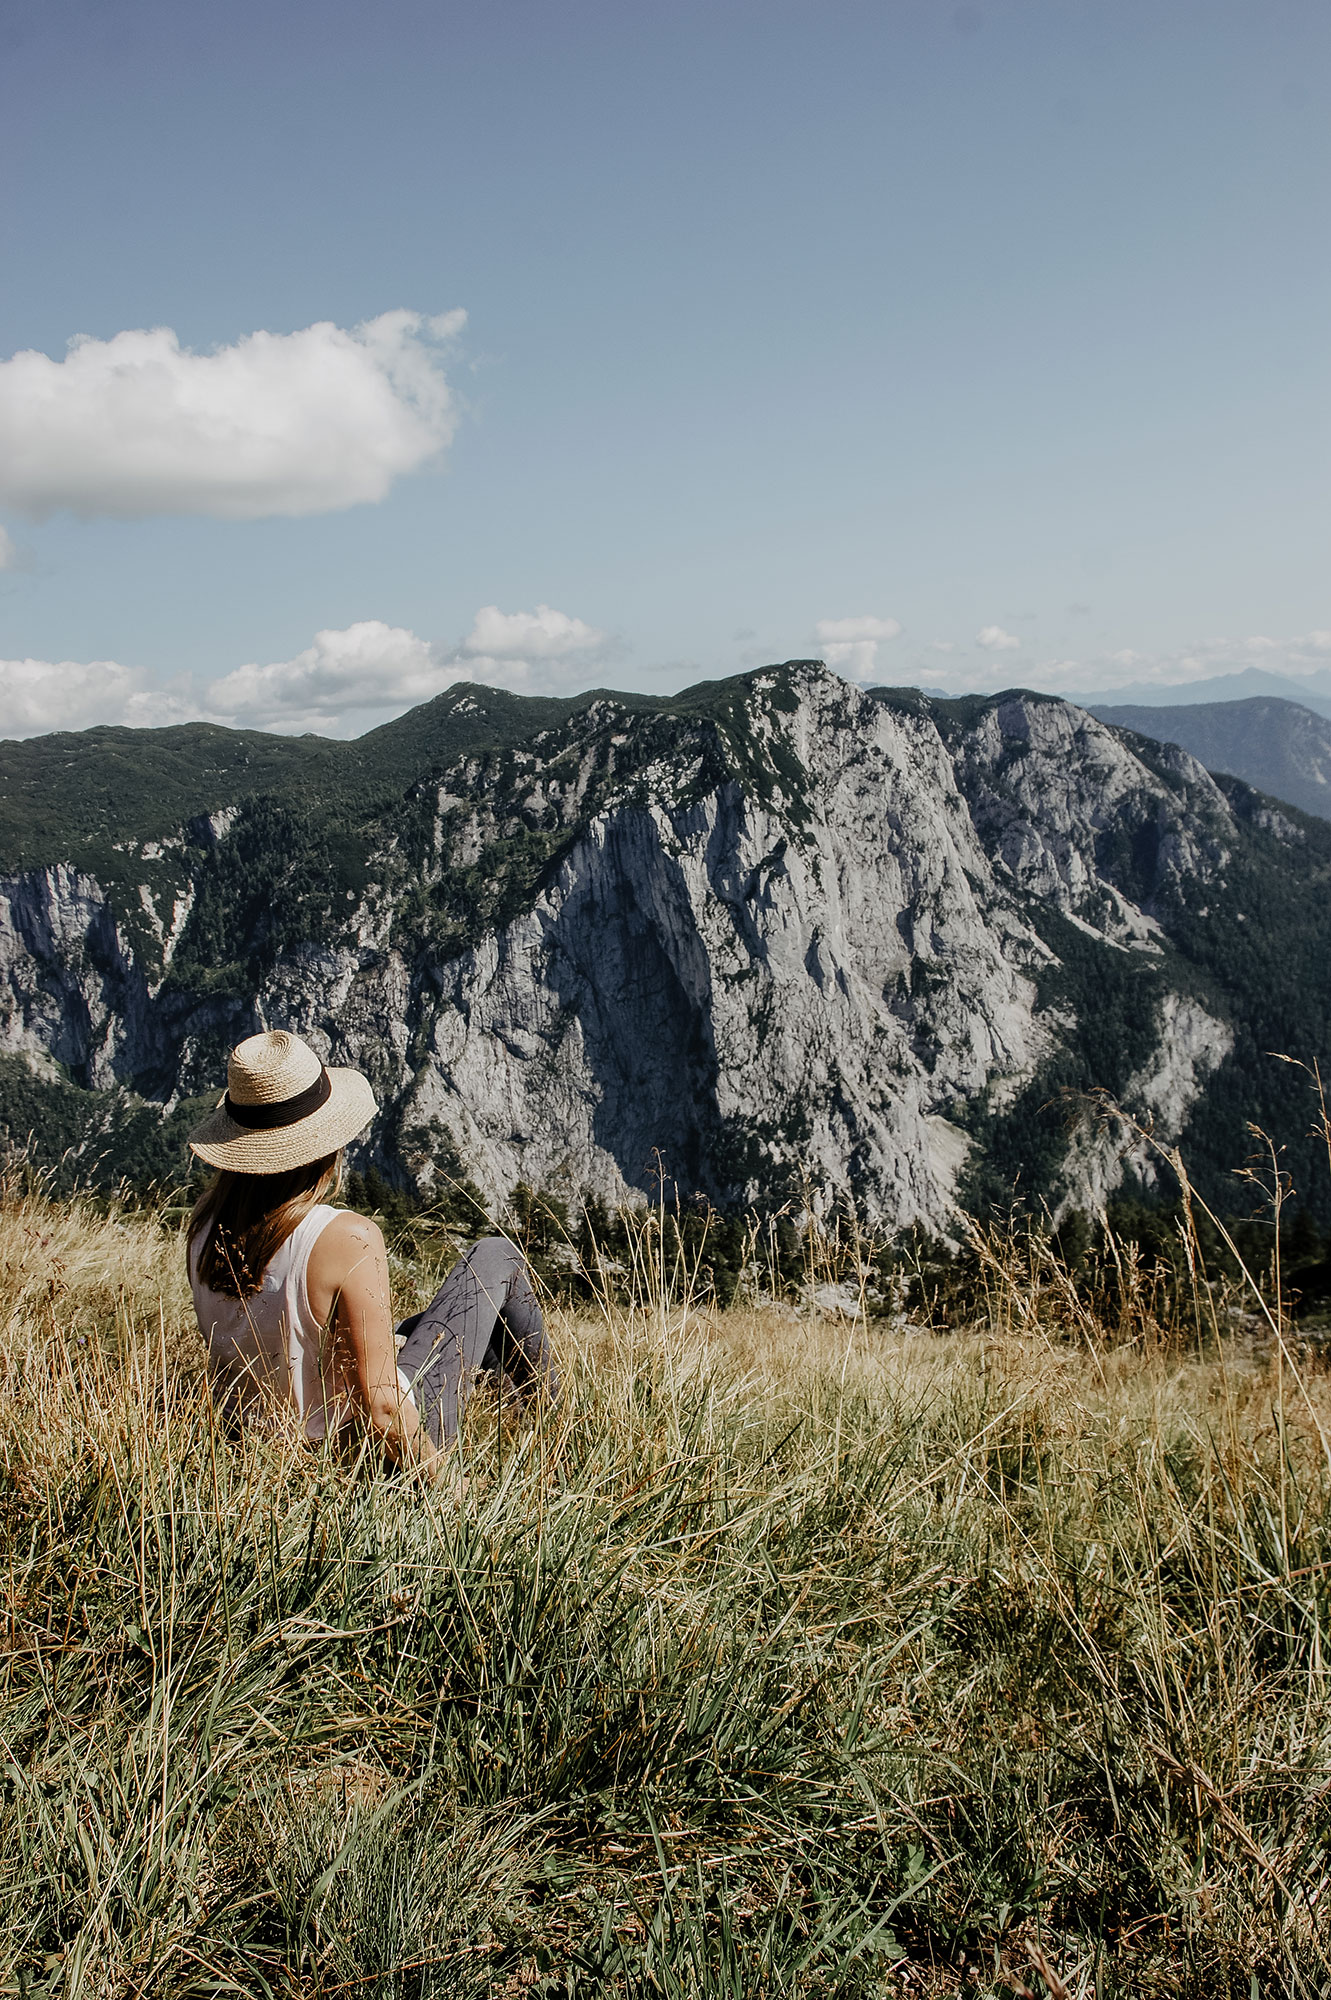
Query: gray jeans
[484, 1316]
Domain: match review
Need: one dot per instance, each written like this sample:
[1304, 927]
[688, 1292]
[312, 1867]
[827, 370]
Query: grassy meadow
[796, 1652]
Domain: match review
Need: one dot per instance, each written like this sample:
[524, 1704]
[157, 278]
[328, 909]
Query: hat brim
[242, 1150]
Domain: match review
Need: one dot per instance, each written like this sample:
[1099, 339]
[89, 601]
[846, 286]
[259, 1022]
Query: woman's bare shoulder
[348, 1241]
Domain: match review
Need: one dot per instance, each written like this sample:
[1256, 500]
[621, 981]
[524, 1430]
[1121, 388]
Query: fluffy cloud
[349, 679]
[846, 631]
[297, 423]
[368, 669]
[344, 683]
[543, 634]
[41, 695]
[352, 678]
[851, 644]
[995, 640]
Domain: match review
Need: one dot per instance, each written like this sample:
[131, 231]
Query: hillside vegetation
[87, 796]
[794, 1653]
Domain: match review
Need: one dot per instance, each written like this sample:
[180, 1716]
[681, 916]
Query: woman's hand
[348, 1275]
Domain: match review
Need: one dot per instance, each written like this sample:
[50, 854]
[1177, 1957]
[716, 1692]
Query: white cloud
[41, 695]
[995, 640]
[349, 679]
[344, 683]
[836, 630]
[297, 423]
[368, 667]
[851, 644]
[543, 634]
[9, 555]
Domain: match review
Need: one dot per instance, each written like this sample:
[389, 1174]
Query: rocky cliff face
[779, 933]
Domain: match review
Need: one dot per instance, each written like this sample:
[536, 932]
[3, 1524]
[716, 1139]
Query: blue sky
[1004, 319]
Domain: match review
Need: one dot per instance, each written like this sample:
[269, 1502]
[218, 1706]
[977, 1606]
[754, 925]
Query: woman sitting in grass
[292, 1294]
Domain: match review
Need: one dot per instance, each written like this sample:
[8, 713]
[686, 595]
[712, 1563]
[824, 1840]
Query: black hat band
[290, 1111]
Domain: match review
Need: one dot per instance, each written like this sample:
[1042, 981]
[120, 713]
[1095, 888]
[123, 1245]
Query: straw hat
[282, 1108]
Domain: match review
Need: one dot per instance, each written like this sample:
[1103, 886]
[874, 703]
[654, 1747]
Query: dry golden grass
[791, 1654]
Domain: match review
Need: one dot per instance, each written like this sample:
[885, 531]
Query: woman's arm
[348, 1272]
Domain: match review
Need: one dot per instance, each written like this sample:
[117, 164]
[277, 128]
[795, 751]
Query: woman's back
[270, 1348]
[276, 1141]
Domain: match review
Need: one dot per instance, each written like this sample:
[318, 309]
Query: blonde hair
[244, 1219]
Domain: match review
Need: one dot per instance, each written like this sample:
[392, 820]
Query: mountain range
[771, 934]
[1309, 690]
[1279, 746]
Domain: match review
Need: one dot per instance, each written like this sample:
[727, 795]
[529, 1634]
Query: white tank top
[269, 1353]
